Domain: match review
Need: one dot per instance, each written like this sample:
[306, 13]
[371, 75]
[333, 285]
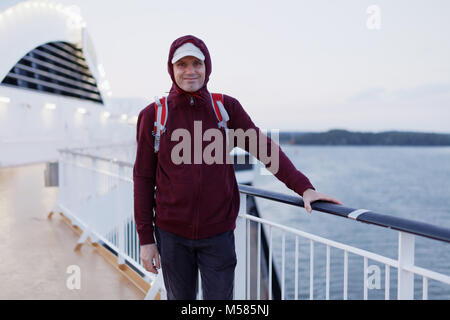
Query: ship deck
[36, 251]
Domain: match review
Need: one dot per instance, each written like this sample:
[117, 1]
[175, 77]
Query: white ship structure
[54, 92]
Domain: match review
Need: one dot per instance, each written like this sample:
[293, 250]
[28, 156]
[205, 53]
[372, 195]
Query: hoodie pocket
[174, 167]
[217, 195]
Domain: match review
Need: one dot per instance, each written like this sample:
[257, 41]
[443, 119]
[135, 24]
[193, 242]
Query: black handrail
[400, 224]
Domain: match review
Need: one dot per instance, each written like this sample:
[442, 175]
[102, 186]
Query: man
[196, 204]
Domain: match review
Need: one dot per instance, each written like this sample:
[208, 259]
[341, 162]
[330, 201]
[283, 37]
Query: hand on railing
[310, 195]
[149, 252]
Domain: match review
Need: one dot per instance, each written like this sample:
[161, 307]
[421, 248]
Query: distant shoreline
[338, 137]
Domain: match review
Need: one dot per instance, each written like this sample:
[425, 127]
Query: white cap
[187, 49]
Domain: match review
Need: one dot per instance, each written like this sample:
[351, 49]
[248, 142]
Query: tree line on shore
[344, 137]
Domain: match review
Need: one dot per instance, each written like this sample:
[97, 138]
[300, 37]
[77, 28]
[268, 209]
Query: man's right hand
[148, 253]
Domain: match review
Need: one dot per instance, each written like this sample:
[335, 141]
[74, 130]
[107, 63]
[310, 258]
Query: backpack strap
[161, 114]
[220, 111]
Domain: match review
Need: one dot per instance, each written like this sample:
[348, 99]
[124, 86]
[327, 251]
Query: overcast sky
[294, 65]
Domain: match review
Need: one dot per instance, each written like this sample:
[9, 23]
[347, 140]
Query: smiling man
[196, 204]
[188, 67]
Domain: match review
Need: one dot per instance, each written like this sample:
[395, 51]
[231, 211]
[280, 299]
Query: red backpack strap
[161, 114]
[219, 110]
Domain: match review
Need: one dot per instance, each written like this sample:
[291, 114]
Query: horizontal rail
[79, 84]
[74, 51]
[68, 72]
[69, 64]
[112, 160]
[78, 60]
[55, 86]
[325, 241]
[400, 224]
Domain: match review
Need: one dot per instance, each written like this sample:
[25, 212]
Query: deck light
[101, 70]
[5, 100]
[50, 106]
[81, 110]
[105, 85]
[133, 120]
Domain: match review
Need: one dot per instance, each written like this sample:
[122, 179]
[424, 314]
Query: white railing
[96, 193]
[404, 264]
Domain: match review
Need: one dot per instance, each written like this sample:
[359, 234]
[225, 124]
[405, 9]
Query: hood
[202, 46]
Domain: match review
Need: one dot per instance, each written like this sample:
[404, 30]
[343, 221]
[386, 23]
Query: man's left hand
[310, 195]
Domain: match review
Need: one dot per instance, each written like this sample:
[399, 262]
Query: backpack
[162, 112]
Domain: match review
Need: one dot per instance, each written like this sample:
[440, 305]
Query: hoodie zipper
[199, 175]
[197, 213]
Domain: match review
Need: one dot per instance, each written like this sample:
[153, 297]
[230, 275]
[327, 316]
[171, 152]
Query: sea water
[408, 182]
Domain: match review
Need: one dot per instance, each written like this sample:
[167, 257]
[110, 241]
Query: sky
[294, 65]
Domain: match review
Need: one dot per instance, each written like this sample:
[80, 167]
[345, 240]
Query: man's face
[189, 73]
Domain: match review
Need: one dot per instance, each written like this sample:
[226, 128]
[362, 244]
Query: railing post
[120, 218]
[62, 178]
[240, 245]
[405, 285]
[72, 183]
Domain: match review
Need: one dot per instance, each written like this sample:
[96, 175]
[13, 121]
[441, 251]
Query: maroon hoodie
[193, 200]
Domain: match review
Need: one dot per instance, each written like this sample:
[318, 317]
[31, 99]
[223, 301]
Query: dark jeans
[181, 259]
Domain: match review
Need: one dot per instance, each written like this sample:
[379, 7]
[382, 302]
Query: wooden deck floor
[36, 252]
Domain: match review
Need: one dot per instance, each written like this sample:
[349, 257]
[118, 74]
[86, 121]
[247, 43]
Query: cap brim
[198, 55]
